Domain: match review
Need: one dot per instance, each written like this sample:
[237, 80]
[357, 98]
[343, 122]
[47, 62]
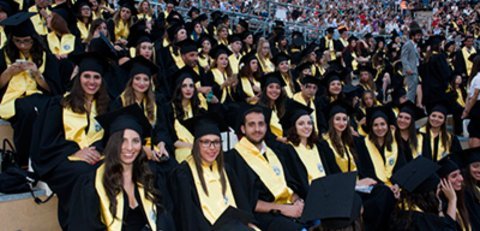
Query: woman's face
[340, 122]
[222, 61]
[304, 126]
[380, 127]
[404, 120]
[436, 119]
[188, 88]
[102, 28]
[312, 57]
[145, 6]
[90, 81]
[210, 146]
[140, 83]
[207, 46]
[475, 171]
[125, 13]
[223, 33]
[146, 50]
[458, 79]
[368, 100]
[94, 4]
[131, 146]
[198, 28]
[85, 11]
[181, 35]
[335, 87]
[249, 40]
[23, 44]
[254, 65]
[265, 49]
[364, 76]
[273, 91]
[456, 179]
[307, 71]
[283, 66]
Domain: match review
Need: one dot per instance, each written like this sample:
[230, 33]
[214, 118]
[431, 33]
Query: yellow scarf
[354, 61]
[289, 89]
[115, 223]
[299, 98]
[20, 85]
[266, 64]
[121, 30]
[344, 161]
[466, 54]
[205, 61]
[383, 169]
[3, 37]
[83, 29]
[220, 78]
[275, 126]
[416, 152]
[211, 204]
[234, 63]
[270, 172]
[144, 16]
[330, 46]
[183, 135]
[443, 151]
[63, 46]
[177, 58]
[310, 158]
[248, 88]
[460, 99]
[39, 23]
[463, 226]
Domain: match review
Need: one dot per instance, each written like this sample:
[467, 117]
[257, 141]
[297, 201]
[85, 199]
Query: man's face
[469, 42]
[254, 127]
[190, 58]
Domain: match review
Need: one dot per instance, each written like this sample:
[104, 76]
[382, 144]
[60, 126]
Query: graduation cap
[233, 219]
[342, 29]
[384, 112]
[202, 17]
[332, 199]
[243, 23]
[417, 176]
[248, 57]
[77, 7]
[140, 65]
[330, 30]
[293, 111]
[245, 34]
[218, 50]
[10, 7]
[138, 34]
[339, 106]
[129, 4]
[309, 49]
[185, 72]
[63, 10]
[352, 38]
[398, 93]
[468, 156]
[272, 77]
[303, 66]
[234, 38]
[280, 57]
[173, 2]
[410, 108]
[215, 14]
[187, 45]
[206, 124]
[440, 107]
[435, 40]
[380, 39]
[90, 61]
[368, 36]
[19, 25]
[447, 166]
[130, 117]
[213, 41]
[310, 79]
[193, 10]
[330, 76]
[174, 28]
[103, 46]
[448, 44]
[174, 17]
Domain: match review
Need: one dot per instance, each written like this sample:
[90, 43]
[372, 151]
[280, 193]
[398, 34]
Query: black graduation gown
[473, 207]
[116, 79]
[188, 212]
[256, 190]
[298, 171]
[330, 162]
[407, 150]
[86, 203]
[424, 221]
[455, 147]
[436, 79]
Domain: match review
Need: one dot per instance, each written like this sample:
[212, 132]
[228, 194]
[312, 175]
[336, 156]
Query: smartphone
[20, 61]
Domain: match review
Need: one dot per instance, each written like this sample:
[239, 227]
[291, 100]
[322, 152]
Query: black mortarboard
[245, 34]
[448, 44]
[380, 39]
[202, 17]
[173, 2]
[213, 41]
[102, 45]
[248, 57]
[435, 40]
[310, 79]
[440, 107]
[215, 14]
[351, 91]
[130, 4]
[342, 29]
[473, 56]
[331, 76]
[233, 219]
[368, 36]
[138, 34]
[272, 77]
[468, 156]
[447, 166]
[352, 38]
[330, 30]
[140, 65]
[218, 50]
[339, 106]
[193, 10]
[332, 200]
[410, 108]
[293, 111]
[9, 6]
[90, 61]
[234, 38]
[225, 17]
[306, 65]
[380, 111]
[185, 72]
[130, 117]
[242, 22]
[174, 17]
[63, 10]
[417, 176]
[309, 49]
[187, 45]
[77, 7]
[19, 25]
[174, 28]
[297, 39]
[366, 68]
[206, 124]
[398, 93]
[280, 57]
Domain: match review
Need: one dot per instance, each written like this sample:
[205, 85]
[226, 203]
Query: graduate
[203, 185]
[418, 207]
[462, 64]
[249, 89]
[7, 8]
[28, 74]
[264, 176]
[67, 138]
[309, 86]
[472, 108]
[470, 164]
[235, 45]
[120, 193]
[205, 44]
[119, 25]
[409, 139]
[282, 65]
[264, 56]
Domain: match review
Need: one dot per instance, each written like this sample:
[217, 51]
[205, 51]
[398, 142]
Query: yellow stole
[344, 42]
[3, 37]
[115, 223]
[165, 42]
[383, 169]
[144, 16]
[416, 152]
[75, 125]
[234, 63]
[289, 89]
[310, 158]
[248, 88]
[148, 140]
[223, 41]
[330, 46]
[299, 98]
[342, 161]
[211, 204]
[177, 58]
[443, 151]
[354, 61]
[20, 4]
[463, 226]
[275, 126]
[39, 23]
[20, 85]
[121, 30]
[183, 135]
[96, 15]
[460, 99]
[83, 29]
[266, 64]
[466, 54]
[63, 46]
[219, 78]
[204, 62]
[270, 172]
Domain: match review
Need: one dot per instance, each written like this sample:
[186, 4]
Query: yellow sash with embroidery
[383, 169]
[248, 88]
[115, 223]
[121, 30]
[298, 97]
[234, 63]
[468, 63]
[275, 126]
[342, 161]
[183, 135]
[83, 29]
[219, 78]
[289, 90]
[212, 204]
[177, 58]
[63, 46]
[39, 23]
[20, 85]
[266, 64]
[310, 158]
[270, 172]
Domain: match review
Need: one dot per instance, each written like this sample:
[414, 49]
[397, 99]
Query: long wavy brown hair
[198, 164]
[293, 136]
[346, 140]
[113, 178]
[129, 96]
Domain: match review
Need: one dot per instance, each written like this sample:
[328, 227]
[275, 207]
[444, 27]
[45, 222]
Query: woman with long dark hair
[120, 194]
[282, 65]
[119, 25]
[84, 18]
[409, 139]
[249, 88]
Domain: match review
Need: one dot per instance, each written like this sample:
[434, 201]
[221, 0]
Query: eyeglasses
[209, 143]
[23, 41]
